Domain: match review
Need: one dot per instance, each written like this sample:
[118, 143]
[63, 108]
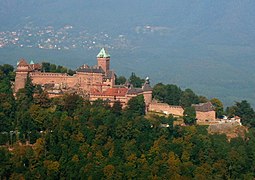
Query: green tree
[188, 98]
[7, 71]
[244, 110]
[7, 105]
[120, 80]
[230, 111]
[203, 99]
[72, 102]
[117, 108]
[159, 92]
[218, 107]
[189, 116]
[29, 89]
[135, 80]
[41, 97]
[169, 93]
[46, 67]
[136, 105]
[5, 164]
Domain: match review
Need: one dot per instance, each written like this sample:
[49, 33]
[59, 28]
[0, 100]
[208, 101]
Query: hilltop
[208, 45]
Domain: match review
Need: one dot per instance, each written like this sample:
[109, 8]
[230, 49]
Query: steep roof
[29, 67]
[133, 90]
[203, 107]
[103, 54]
[22, 62]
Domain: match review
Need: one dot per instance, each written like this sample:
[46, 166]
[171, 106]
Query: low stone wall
[165, 108]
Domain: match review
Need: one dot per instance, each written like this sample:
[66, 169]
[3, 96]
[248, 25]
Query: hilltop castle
[98, 82]
[92, 82]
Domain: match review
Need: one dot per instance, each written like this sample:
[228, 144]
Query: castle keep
[92, 82]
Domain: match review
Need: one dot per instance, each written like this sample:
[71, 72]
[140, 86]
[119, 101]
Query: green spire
[103, 54]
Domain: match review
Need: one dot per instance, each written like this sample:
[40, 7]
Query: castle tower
[147, 92]
[23, 69]
[103, 60]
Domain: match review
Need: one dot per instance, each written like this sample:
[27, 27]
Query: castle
[92, 82]
[98, 82]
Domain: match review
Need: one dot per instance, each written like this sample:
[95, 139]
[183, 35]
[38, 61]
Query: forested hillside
[204, 45]
[71, 138]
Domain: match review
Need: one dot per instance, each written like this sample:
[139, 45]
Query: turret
[147, 92]
[103, 60]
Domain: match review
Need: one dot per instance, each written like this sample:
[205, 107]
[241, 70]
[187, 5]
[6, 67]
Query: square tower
[103, 60]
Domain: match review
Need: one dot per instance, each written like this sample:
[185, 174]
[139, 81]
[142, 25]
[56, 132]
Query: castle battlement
[45, 74]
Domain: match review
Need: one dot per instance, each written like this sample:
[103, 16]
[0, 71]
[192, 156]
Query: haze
[207, 45]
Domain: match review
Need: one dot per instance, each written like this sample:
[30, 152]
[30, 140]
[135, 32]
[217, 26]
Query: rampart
[53, 78]
[166, 109]
[205, 116]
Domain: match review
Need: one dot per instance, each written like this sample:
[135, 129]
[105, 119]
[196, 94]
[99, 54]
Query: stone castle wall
[83, 81]
[205, 116]
[147, 97]
[165, 108]
[178, 111]
[111, 99]
[88, 81]
[48, 78]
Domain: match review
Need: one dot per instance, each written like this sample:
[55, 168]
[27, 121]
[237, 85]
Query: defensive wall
[165, 108]
[205, 116]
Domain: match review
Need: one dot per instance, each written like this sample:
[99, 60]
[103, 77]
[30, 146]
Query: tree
[203, 99]
[136, 105]
[7, 105]
[46, 66]
[41, 97]
[117, 108]
[25, 95]
[120, 80]
[72, 102]
[244, 110]
[230, 111]
[159, 92]
[169, 93]
[188, 98]
[189, 116]
[5, 165]
[218, 107]
[7, 70]
[135, 80]
[29, 89]
[109, 171]
[174, 166]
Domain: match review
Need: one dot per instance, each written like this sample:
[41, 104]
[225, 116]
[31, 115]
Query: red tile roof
[111, 92]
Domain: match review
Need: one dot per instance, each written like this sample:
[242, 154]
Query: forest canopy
[69, 137]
